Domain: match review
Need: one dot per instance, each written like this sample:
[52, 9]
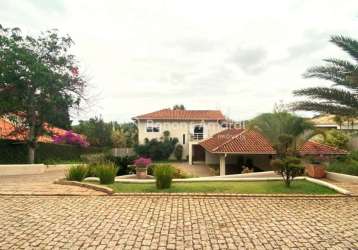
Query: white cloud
[239, 56]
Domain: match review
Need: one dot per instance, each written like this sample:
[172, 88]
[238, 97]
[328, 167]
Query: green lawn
[259, 187]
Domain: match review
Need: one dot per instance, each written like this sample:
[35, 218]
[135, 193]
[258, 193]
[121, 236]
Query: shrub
[122, 163]
[142, 162]
[15, 152]
[178, 152]
[345, 165]
[163, 175]
[337, 138]
[289, 168]
[157, 149]
[106, 173]
[77, 173]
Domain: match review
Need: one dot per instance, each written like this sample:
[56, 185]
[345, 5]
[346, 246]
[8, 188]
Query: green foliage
[106, 172]
[288, 168]
[98, 132]
[163, 176]
[12, 152]
[122, 163]
[341, 98]
[179, 107]
[130, 132]
[337, 138]
[345, 165]
[178, 174]
[40, 79]
[107, 134]
[178, 152]
[285, 131]
[242, 187]
[77, 173]
[157, 149]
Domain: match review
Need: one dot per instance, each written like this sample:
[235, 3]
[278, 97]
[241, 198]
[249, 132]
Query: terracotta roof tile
[238, 141]
[7, 131]
[314, 148]
[241, 141]
[191, 115]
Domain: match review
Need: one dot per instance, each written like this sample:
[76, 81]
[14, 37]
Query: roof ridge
[326, 145]
[233, 138]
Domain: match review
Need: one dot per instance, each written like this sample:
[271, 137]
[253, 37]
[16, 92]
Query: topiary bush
[288, 168]
[163, 176]
[178, 152]
[77, 173]
[106, 172]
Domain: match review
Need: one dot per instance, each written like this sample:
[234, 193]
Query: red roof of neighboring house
[188, 115]
[242, 141]
[315, 148]
[7, 131]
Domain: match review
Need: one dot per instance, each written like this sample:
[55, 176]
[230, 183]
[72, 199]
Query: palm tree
[342, 98]
[285, 131]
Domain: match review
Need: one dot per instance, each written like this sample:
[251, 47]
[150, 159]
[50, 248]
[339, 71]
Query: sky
[241, 57]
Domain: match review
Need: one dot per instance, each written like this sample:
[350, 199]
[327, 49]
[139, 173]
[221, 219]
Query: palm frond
[330, 95]
[325, 108]
[349, 45]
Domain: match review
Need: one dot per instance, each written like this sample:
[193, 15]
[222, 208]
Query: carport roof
[240, 141]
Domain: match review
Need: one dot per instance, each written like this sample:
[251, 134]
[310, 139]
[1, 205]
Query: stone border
[342, 177]
[95, 187]
[228, 195]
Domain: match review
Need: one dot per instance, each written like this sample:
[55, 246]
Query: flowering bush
[143, 162]
[70, 138]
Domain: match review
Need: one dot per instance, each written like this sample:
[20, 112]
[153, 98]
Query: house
[207, 138]
[329, 122]
[233, 148]
[189, 126]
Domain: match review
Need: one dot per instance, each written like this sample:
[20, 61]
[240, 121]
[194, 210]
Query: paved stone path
[197, 170]
[40, 184]
[132, 222]
[350, 186]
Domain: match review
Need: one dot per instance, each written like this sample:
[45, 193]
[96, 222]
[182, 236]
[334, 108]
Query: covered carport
[234, 149]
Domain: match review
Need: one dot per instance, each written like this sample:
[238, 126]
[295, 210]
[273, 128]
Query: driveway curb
[95, 187]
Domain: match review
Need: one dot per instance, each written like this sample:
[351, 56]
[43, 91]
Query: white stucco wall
[177, 129]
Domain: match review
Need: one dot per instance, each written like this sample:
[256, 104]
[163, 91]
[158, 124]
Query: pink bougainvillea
[70, 138]
[143, 162]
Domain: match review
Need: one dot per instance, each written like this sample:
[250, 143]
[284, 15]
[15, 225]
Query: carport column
[190, 154]
[222, 165]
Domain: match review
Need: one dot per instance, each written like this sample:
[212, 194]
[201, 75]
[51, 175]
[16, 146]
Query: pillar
[190, 154]
[222, 165]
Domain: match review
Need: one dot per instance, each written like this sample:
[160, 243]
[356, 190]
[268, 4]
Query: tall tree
[342, 98]
[287, 133]
[39, 81]
[97, 131]
[179, 106]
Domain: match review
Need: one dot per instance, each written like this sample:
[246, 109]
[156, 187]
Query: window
[183, 139]
[153, 127]
[198, 132]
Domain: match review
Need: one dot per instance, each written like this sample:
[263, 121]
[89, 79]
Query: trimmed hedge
[15, 152]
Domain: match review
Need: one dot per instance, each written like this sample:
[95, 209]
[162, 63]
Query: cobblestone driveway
[127, 222]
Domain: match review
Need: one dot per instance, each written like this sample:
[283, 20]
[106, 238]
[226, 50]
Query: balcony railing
[197, 136]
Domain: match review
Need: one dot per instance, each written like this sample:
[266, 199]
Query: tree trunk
[31, 154]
